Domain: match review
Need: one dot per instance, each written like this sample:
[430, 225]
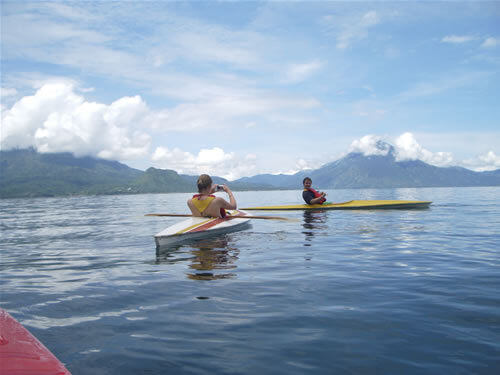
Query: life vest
[202, 205]
[316, 195]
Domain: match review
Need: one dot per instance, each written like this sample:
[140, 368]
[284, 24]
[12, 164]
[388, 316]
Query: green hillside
[27, 173]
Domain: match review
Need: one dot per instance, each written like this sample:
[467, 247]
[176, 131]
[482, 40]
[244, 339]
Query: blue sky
[240, 88]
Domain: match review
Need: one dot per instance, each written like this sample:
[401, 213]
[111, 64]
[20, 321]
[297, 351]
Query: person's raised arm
[231, 205]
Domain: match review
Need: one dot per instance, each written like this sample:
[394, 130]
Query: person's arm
[309, 197]
[317, 200]
[231, 205]
[193, 209]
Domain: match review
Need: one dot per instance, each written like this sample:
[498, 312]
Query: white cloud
[491, 158]
[491, 42]
[458, 39]
[407, 148]
[486, 162]
[226, 111]
[5, 92]
[56, 119]
[214, 161]
[179, 58]
[354, 30]
[300, 165]
[491, 161]
[369, 145]
[79, 37]
[445, 83]
[362, 111]
[300, 72]
[5, 95]
[217, 45]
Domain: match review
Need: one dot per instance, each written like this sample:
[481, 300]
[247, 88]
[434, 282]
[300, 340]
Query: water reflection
[314, 220]
[209, 259]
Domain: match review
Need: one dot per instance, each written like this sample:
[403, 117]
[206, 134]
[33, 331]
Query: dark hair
[305, 179]
[203, 182]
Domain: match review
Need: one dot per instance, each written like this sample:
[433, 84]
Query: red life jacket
[317, 195]
[202, 205]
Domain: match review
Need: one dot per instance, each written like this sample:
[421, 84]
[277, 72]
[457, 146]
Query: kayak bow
[200, 227]
[22, 353]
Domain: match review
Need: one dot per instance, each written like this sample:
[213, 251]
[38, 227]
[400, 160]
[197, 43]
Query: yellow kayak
[350, 205]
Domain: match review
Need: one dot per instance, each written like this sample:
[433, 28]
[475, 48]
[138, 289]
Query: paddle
[231, 217]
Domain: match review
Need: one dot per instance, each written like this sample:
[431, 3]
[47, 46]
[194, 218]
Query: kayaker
[310, 195]
[206, 204]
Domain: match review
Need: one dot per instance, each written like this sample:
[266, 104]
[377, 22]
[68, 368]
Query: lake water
[334, 292]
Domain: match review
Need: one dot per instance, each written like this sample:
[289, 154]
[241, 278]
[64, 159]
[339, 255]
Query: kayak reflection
[209, 259]
[314, 221]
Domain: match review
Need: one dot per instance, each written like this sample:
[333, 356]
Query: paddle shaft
[227, 217]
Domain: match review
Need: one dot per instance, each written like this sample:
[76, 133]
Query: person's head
[204, 182]
[307, 182]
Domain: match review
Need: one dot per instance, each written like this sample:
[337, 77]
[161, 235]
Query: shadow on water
[209, 259]
[314, 220]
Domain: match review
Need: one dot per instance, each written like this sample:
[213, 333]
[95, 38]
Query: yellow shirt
[201, 205]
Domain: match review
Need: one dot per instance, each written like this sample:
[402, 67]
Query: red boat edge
[22, 354]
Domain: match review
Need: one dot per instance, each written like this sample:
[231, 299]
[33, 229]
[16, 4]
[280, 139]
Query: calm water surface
[335, 292]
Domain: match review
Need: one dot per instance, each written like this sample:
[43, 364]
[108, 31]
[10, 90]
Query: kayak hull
[196, 228]
[350, 205]
[21, 352]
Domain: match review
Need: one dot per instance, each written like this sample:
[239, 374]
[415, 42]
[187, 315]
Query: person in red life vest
[310, 195]
[208, 205]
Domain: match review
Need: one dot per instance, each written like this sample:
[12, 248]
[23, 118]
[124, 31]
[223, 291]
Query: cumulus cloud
[214, 161]
[56, 119]
[486, 162]
[370, 145]
[491, 161]
[300, 165]
[407, 148]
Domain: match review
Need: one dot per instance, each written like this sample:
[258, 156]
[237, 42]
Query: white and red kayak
[202, 227]
[22, 354]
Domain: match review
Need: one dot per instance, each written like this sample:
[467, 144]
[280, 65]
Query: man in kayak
[310, 195]
[206, 204]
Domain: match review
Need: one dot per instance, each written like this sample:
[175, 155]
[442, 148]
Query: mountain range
[357, 171]
[28, 173]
